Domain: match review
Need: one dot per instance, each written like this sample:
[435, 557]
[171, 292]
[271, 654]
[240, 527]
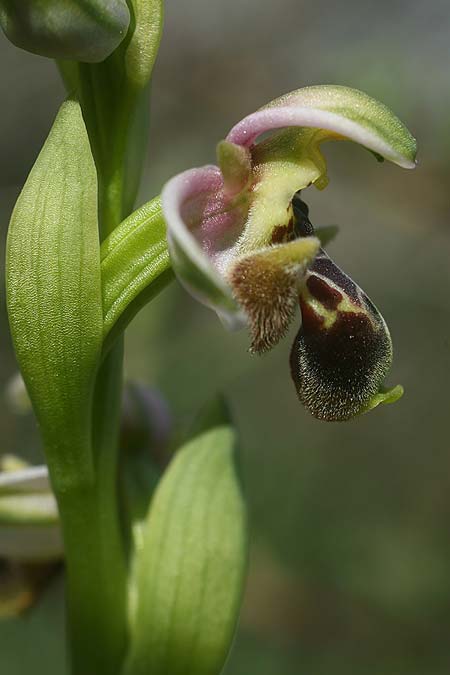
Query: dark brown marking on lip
[283, 233]
[328, 296]
[310, 319]
[338, 365]
[323, 264]
[337, 370]
[326, 267]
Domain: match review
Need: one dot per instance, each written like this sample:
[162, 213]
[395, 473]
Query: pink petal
[202, 228]
[342, 111]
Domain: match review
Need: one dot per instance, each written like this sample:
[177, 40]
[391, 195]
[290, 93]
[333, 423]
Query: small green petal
[282, 165]
[385, 396]
[234, 162]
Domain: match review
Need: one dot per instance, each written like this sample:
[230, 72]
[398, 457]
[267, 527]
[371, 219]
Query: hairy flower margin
[242, 243]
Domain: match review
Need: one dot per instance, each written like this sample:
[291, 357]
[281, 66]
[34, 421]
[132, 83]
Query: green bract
[82, 30]
[54, 293]
[135, 266]
[191, 564]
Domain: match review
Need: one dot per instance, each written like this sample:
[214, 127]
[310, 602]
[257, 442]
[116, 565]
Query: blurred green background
[350, 554]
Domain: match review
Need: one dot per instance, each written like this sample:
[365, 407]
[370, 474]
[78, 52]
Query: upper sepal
[335, 112]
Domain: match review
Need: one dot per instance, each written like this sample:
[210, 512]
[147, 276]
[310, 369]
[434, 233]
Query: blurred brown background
[350, 562]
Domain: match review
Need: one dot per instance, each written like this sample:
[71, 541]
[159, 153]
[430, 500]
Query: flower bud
[146, 423]
[81, 30]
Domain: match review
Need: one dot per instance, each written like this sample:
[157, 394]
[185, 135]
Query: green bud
[145, 424]
[81, 30]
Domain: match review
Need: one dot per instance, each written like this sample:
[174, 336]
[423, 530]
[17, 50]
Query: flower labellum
[343, 350]
[81, 30]
[241, 243]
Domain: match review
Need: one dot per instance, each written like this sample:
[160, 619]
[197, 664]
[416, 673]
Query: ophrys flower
[237, 243]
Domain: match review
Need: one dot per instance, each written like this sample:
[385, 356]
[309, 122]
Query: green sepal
[135, 266]
[191, 567]
[54, 294]
[344, 113]
[326, 233]
[235, 164]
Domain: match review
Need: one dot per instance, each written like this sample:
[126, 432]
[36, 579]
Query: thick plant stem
[94, 546]
[96, 566]
[97, 574]
[95, 583]
[93, 542]
[95, 550]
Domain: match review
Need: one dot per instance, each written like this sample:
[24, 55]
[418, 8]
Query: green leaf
[191, 567]
[146, 29]
[54, 294]
[135, 266]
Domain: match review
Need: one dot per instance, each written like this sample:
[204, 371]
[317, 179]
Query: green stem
[95, 551]
[93, 540]
[95, 592]
[94, 545]
[114, 101]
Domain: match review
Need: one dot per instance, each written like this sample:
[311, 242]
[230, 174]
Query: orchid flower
[242, 243]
